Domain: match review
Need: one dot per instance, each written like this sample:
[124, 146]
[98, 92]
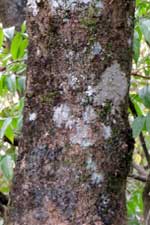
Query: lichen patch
[82, 134]
[61, 114]
[33, 6]
[113, 86]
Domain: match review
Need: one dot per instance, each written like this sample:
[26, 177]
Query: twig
[138, 177]
[141, 137]
[140, 75]
[139, 169]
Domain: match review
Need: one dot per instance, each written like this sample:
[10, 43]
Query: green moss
[104, 111]
[49, 97]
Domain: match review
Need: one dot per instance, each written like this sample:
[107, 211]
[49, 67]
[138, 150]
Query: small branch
[139, 169]
[141, 137]
[140, 75]
[137, 177]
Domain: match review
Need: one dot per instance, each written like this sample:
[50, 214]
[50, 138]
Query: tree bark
[12, 12]
[76, 148]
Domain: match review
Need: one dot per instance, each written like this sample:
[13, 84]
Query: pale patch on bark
[107, 132]
[32, 116]
[61, 114]
[83, 135]
[89, 115]
[71, 4]
[112, 87]
[96, 177]
[33, 7]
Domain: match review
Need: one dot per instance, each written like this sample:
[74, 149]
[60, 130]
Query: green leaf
[21, 84]
[148, 123]
[1, 37]
[145, 28]
[15, 46]
[136, 46]
[144, 94]
[23, 27]
[5, 125]
[9, 133]
[138, 125]
[23, 46]
[11, 83]
[7, 165]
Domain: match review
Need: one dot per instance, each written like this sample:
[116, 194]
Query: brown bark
[12, 12]
[76, 148]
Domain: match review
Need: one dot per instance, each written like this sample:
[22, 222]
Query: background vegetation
[13, 56]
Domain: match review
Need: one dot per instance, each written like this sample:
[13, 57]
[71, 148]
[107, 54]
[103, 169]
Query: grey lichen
[33, 6]
[82, 135]
[89, 115]
[32, 116]
[61, 114]
[107, 132]
[113, 87]
[96, 49]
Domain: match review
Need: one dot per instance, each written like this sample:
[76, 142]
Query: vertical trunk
[76, 149]
[12, 12]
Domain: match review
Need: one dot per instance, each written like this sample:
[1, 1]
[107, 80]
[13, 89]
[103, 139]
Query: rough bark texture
[76, 149]
[12, 12]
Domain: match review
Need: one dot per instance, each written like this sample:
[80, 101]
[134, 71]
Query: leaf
[138, 125]
[136, 46]
[145, 28]
[148, 123]
[7, 165]
[9, 133]
[11, 83]
[9, 32]
[21, 81]
[23, 46]
[144, 94]
[5, 125]
[15, 46]
[1, 37]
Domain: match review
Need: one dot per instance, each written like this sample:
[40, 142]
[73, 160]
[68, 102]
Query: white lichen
[71, 4]
[61, 114]
[90, 91]
[112, 87]
[32, 116]
[107, 132]
[90, 164]
[73, 81]
[89, 115]
[97, 178]
[33, 6]
[82, 135]
[96, 49]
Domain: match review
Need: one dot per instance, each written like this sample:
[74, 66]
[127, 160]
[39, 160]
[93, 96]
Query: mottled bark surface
[12, 12]
[76, 149]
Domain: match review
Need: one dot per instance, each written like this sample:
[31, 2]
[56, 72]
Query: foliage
[13, 53]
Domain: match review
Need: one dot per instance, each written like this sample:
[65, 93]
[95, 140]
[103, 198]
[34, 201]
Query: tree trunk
[12, 12]
[76, 148]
